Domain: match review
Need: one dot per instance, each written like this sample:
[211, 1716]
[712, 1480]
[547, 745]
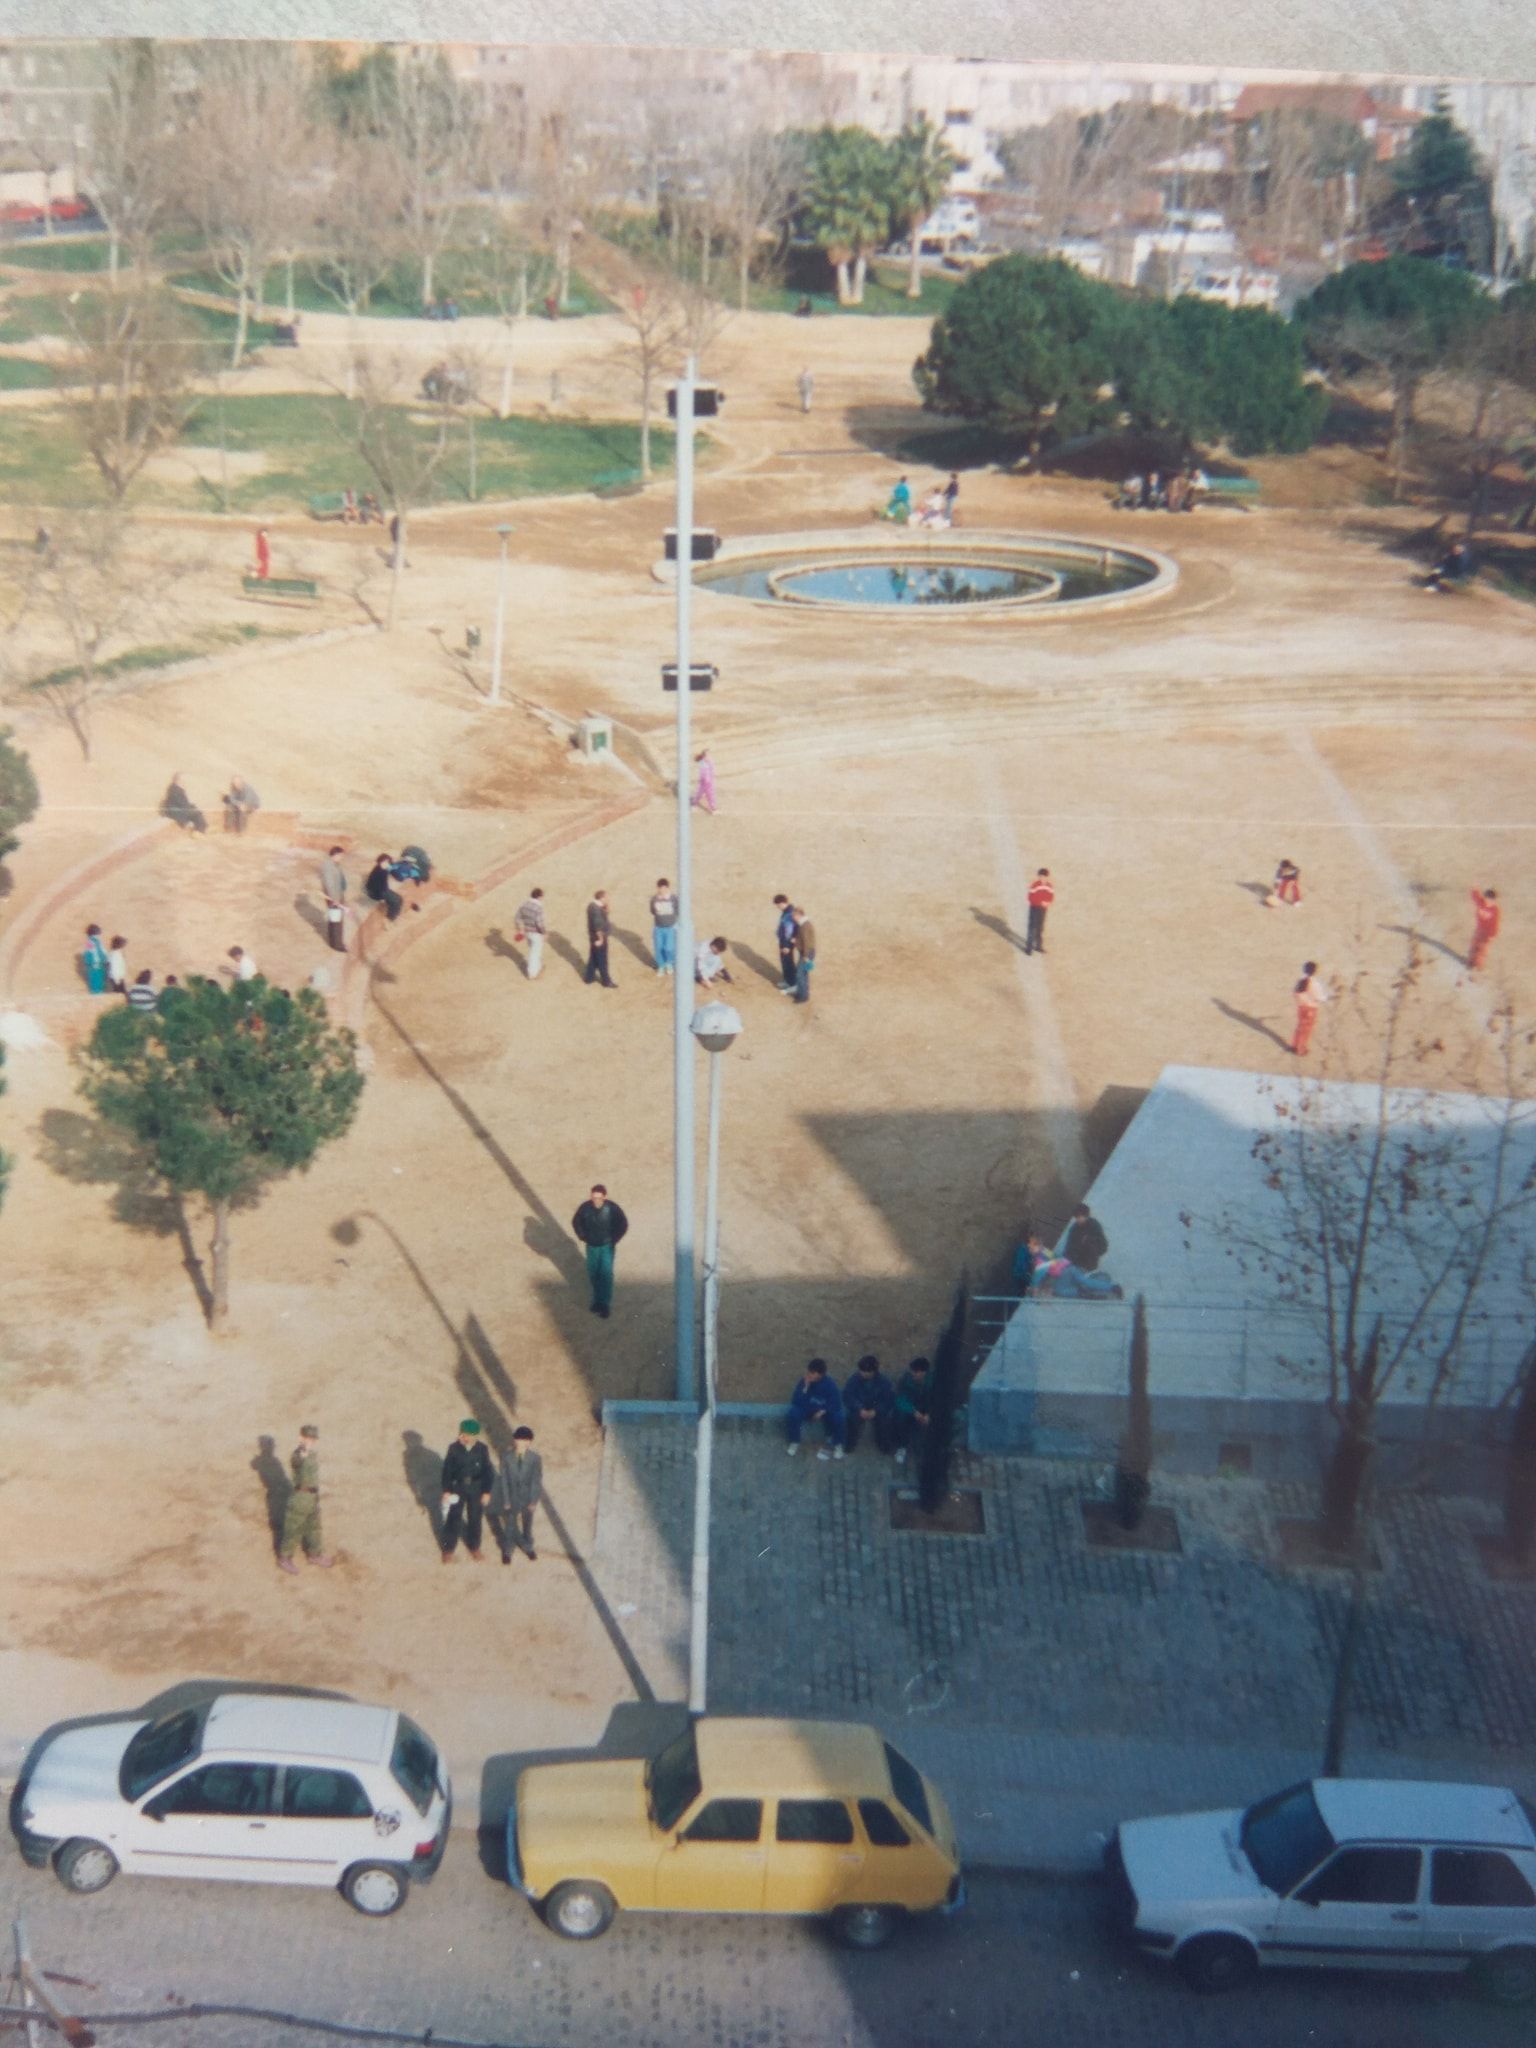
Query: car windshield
[414, 1765]
[159, 1748]
[1284, 1837]
[907, 1784]
[673, 1780]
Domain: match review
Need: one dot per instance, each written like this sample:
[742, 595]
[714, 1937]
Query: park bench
[1237, 490]
[328, 505]
[280, 586]
[617, 483]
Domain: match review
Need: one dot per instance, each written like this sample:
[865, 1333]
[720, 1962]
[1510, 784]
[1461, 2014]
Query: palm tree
[845, 207]
[920, 165]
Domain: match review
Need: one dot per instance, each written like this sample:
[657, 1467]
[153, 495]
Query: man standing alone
[531, 925]
[1485, 910]
[600, 1225]
[301, 1516]
[467, 1482]
[807, 387]
[1042, 895]
[784, 933]
[333, 884]
[1086, 1243]
[519, 1489]
[597, 940]
[805, 953]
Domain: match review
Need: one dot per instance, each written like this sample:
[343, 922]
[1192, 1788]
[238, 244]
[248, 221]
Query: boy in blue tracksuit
[869, 1401]
[784, 933]
[816, 1399]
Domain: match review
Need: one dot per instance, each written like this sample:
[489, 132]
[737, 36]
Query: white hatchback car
[282, 1788]
[1338, 1873]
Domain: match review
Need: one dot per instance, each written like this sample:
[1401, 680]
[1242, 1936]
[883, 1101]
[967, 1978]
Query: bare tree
[1398, 1217]
[754, 173]
[360, 226]
[128, 172]
[402, 439]
[138, 360]
[1490, 396]
[83, 596]
[505, 266]
[245, 157]
[1297, 181]
[654, 346]
[575, 156]
[434, 135]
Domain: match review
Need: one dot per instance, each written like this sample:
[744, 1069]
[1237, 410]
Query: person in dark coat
[468, 1477]
[816, 1399]
[518, 1490]
[179, 807]
[380, 887]
[869, 1402]
[598, 928]
[1086, 1243]
[914, 1408]
[600, 1224]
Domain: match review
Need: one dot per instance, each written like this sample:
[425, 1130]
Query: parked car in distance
[738, 1816]
[280, 1788]
[1338, 1873]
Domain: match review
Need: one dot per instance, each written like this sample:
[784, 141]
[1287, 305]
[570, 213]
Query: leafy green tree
[1441, 196]
[358, 100]
[18, 792]
[845, 204]
[227, 1089]
[1028, 343]
[1394, 322]
[1239, 374]
[921, 162]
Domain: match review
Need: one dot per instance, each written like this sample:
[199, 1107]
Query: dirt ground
[902, 778]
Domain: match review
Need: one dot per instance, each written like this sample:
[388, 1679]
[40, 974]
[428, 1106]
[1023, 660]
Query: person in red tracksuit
[1310, 997]
[1042, 895]
[263, 554]
[1485, 908]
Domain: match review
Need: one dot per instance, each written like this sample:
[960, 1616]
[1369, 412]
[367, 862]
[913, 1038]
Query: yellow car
[738, 1816]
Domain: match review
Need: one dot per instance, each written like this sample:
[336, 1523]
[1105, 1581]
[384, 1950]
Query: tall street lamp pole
[716, 1026]
[499, 638]
[682, 978]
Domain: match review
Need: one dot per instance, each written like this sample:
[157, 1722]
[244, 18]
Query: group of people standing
[937, 508]
[794, 935]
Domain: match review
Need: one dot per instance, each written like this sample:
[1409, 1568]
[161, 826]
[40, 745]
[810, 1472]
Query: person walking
[806, 385]
[816, 1399]
[709, 963]
[1310, 997]
[141, 996]
[1485, 912]
[599, 925]
[784, 936]
[664, 927]
[333, 886]
[600, 1225]
[468, 1478]
[805, 953]
[263, 554]
[1287, 887]
[951, 494]
[869, 1402]
[301, 1512]
[704, 794]
[1042, 894]
[380, 887]
[117, 965]
[95, 961]
[914, 1409]
[1086, 1243]
[532, 926]
[518, 1490]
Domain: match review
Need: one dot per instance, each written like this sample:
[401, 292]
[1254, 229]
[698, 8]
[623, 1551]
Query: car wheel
[1508, 1978]
[85, 1866]
[865, 1926]
[377, 1889]
[1217, 1962]
[580, 1911]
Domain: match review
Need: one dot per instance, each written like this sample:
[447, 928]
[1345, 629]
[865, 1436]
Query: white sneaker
[792, 1449]
[839, 1452]
[823, 1455]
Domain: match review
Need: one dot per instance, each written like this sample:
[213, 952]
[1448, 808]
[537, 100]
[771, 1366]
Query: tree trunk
[242, 327]
[504, 403]
[289, 303]
[563, 270]
[645, 427]
[78, 720]
[860, 271]
[218, 1307]
[428, 281]
[1520, 1473]
[844, 297]
[1397, 450]
[1344, 1480]
[1344, 1677]
[396, 570]
[704, 255]
[744, 273]
[915, 258]
[114, 250]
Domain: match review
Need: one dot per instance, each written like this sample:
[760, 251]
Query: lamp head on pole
[504, 531]
[716, 1026]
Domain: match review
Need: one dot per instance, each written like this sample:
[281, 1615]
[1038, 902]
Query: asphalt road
[1027, 1961]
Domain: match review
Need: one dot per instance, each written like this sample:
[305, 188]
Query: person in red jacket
[1310, 996]
[263, 554]
[1485, 908]
[1042, 894]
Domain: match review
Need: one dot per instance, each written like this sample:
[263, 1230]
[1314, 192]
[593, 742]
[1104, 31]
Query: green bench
[617, 483]
[329, 505]
[280, 586]
[1238, 488]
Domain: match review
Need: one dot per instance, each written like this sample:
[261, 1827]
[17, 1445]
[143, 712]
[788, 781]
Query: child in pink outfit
[704, 795]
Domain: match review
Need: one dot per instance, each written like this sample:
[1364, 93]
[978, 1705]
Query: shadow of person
[1421, 938]
[497, 942]
[1254, 1023]
[1262, 890]
[424, 1477]
[275, 1482]
[634, 945]
[311, 913]
[765, 969]
[546, 1240]
[562, 949]
[996, 924]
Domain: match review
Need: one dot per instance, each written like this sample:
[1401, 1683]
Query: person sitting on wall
[1457, 566]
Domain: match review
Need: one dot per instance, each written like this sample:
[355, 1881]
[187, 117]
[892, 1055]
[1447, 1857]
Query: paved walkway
[1052, 1687]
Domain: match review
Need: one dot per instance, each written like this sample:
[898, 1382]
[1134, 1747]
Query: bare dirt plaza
[901, 777]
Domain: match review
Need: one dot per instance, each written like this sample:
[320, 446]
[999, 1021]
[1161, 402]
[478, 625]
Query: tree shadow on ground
[268, 1467]
[993, 923]
[1265, 1030]
[93, 1153]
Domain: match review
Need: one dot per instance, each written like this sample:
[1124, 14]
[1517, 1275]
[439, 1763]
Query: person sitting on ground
[816, 1399]
[1085, 1243]
[1035, 1262]
[1071, 1283]
[413, 865]
[709, 963]
[898, 506]
[1178, 492]
[240, 801]
[914, 1409]
[180, 809]
[1130, 493]
[869, 1400]
[1152, 492]
[141, 996]
[1458, 565]
[1199, 487]
[935, 511]
[378, 887]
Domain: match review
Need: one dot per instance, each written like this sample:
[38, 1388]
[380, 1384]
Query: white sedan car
[280, 1788]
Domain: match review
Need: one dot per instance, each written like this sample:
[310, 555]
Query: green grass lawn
[28, 314]
[398, 298]
[885, 295]
[76, 253]
[22, 373]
